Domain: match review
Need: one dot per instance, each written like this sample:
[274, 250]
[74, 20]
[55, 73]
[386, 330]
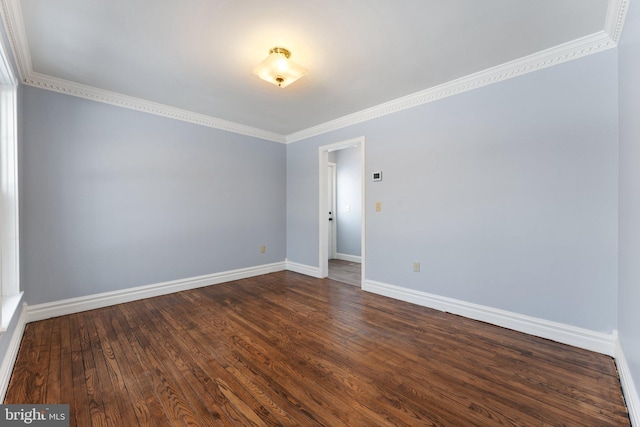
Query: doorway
[331, 208]
[353, 266]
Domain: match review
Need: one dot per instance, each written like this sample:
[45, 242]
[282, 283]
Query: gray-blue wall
[629, 288]
[348, 192]
[507, 195]
[114, 198]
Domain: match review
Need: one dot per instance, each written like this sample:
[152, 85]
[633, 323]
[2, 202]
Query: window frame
[10, 294]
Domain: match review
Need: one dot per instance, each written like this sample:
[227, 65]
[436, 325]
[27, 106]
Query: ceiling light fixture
[278, 69]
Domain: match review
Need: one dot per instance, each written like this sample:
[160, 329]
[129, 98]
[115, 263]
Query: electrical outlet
[416, 267]
[263, 249]
[378, 206]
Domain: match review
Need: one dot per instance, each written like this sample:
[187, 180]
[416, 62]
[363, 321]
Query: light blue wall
[629, 288]
[507, 195]
[302, 203]
[114, 198]
[348, 192]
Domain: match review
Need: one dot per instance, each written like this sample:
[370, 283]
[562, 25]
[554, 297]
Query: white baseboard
[560, 332]
[9, 359]
[10, 306]
[307, 270]
[350, 258]
[583, 338]
[628, 387]
[91, 302]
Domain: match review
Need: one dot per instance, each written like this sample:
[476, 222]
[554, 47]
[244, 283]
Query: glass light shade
[278, 69]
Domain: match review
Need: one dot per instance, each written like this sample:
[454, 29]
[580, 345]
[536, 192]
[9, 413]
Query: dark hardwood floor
[345, 271]
[286, 349]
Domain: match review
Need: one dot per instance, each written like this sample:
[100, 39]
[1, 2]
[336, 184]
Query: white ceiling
[198, 55]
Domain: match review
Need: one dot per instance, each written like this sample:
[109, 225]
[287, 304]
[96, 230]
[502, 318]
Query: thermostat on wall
[377, 176]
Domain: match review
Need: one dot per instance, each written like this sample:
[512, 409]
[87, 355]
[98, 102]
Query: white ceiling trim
[606, 39]
[14, 25]
[546, 58]
[120, 100]
[603, 40]
[614, 21]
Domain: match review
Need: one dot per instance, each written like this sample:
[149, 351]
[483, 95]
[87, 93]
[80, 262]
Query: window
[9, 220]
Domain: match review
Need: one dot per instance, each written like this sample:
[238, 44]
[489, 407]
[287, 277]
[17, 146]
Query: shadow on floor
[345, 271]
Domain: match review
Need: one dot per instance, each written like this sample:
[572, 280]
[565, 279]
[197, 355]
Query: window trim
[10, 294]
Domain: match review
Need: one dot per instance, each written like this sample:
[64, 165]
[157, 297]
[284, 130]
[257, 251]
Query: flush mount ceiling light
[278, 69]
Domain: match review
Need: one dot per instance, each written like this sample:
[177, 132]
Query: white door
[323, 205]
[331, 210]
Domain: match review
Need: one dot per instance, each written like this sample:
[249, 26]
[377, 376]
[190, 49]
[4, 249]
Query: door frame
[323, 162]
[332, 232]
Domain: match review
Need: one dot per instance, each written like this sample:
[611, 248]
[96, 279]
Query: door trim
[323, 162]
[331, 251]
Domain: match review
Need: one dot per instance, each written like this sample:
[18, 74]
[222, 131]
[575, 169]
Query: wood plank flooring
[286, 349]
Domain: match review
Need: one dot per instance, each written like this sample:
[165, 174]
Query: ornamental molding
[608, 38]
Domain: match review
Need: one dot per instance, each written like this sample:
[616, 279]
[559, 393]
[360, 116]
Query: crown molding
[556, 55]
[597, 42]
[120, 100]
[608, 38]
[14, 24]
[616, 16]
